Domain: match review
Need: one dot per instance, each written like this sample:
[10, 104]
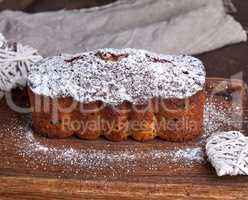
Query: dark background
[224, 62]
[50, 5]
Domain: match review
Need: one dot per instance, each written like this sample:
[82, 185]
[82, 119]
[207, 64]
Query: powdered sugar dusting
[219, 117]
[130, 74]
[94, 160]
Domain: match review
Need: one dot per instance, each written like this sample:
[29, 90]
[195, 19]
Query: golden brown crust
[115, 122]
[44, 122]
[142, 122]
[184, 123]
[172, 120]
[86, 120]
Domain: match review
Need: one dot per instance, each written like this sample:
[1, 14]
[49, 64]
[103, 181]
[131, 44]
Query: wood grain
[75, 189]
[195, 181]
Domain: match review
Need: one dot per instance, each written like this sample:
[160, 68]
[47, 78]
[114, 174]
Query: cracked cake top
[116, 75]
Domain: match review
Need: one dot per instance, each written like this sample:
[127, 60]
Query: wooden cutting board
[33, 167]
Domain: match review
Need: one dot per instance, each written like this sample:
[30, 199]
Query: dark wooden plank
[25, 177]
[26, 188]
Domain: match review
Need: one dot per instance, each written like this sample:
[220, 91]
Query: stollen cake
[117, 93]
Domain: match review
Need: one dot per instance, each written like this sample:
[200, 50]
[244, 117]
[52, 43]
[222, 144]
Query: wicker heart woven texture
[228, 153]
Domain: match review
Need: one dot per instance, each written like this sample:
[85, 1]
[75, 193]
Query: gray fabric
[166, 26]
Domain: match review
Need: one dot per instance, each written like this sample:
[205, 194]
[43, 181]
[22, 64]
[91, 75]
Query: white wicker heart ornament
[228, 153]
[15, 61]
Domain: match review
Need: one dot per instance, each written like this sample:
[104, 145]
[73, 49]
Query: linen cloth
[163, 26]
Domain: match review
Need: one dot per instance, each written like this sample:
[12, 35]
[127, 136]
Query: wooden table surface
[34, 167]
[224, 62]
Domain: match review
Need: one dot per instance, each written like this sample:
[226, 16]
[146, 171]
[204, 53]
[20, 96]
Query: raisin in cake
[117, 93]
